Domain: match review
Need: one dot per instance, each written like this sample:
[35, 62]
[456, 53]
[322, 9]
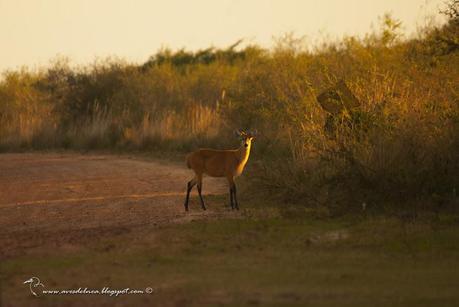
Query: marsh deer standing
[219, 163]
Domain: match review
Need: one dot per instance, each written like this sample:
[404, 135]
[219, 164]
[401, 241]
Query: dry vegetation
[400, 146]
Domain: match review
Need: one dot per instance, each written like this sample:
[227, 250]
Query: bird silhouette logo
[34, 283]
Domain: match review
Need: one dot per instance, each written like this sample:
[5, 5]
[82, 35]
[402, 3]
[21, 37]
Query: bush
[400, 143]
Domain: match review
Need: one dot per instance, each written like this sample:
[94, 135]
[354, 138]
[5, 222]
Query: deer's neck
[244, 153]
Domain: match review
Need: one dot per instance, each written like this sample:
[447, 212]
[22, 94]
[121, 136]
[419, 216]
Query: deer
[219, 163]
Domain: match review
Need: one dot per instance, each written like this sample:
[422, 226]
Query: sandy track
[53, 199]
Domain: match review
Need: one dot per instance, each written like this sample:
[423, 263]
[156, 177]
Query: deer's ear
[253, 133]
[237, 133]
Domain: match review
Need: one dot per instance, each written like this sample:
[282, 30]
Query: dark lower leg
[200, 197]
[235, 198]
[231, 198]
[188, 190]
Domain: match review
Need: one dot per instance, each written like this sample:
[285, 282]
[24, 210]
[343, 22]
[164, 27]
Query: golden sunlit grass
[400, 143]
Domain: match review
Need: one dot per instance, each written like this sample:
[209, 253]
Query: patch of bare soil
[49, 200]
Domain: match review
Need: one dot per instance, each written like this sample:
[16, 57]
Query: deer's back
[213, 162]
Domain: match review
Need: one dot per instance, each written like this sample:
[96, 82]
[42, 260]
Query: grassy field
[262, 256]
[389, 140]
[392, 138]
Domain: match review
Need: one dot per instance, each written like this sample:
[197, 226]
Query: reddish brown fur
[218, 163]
[215, 163]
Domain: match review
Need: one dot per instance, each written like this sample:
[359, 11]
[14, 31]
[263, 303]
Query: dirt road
[51, 200]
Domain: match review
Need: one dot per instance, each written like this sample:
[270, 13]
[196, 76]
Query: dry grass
[401, 143]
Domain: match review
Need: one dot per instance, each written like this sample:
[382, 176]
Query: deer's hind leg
[189, 187]
[199, 181]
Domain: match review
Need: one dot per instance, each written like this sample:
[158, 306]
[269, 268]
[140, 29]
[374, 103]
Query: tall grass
[401, 144]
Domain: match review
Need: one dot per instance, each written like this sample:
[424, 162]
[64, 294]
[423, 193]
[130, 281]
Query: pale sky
[32, 32]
